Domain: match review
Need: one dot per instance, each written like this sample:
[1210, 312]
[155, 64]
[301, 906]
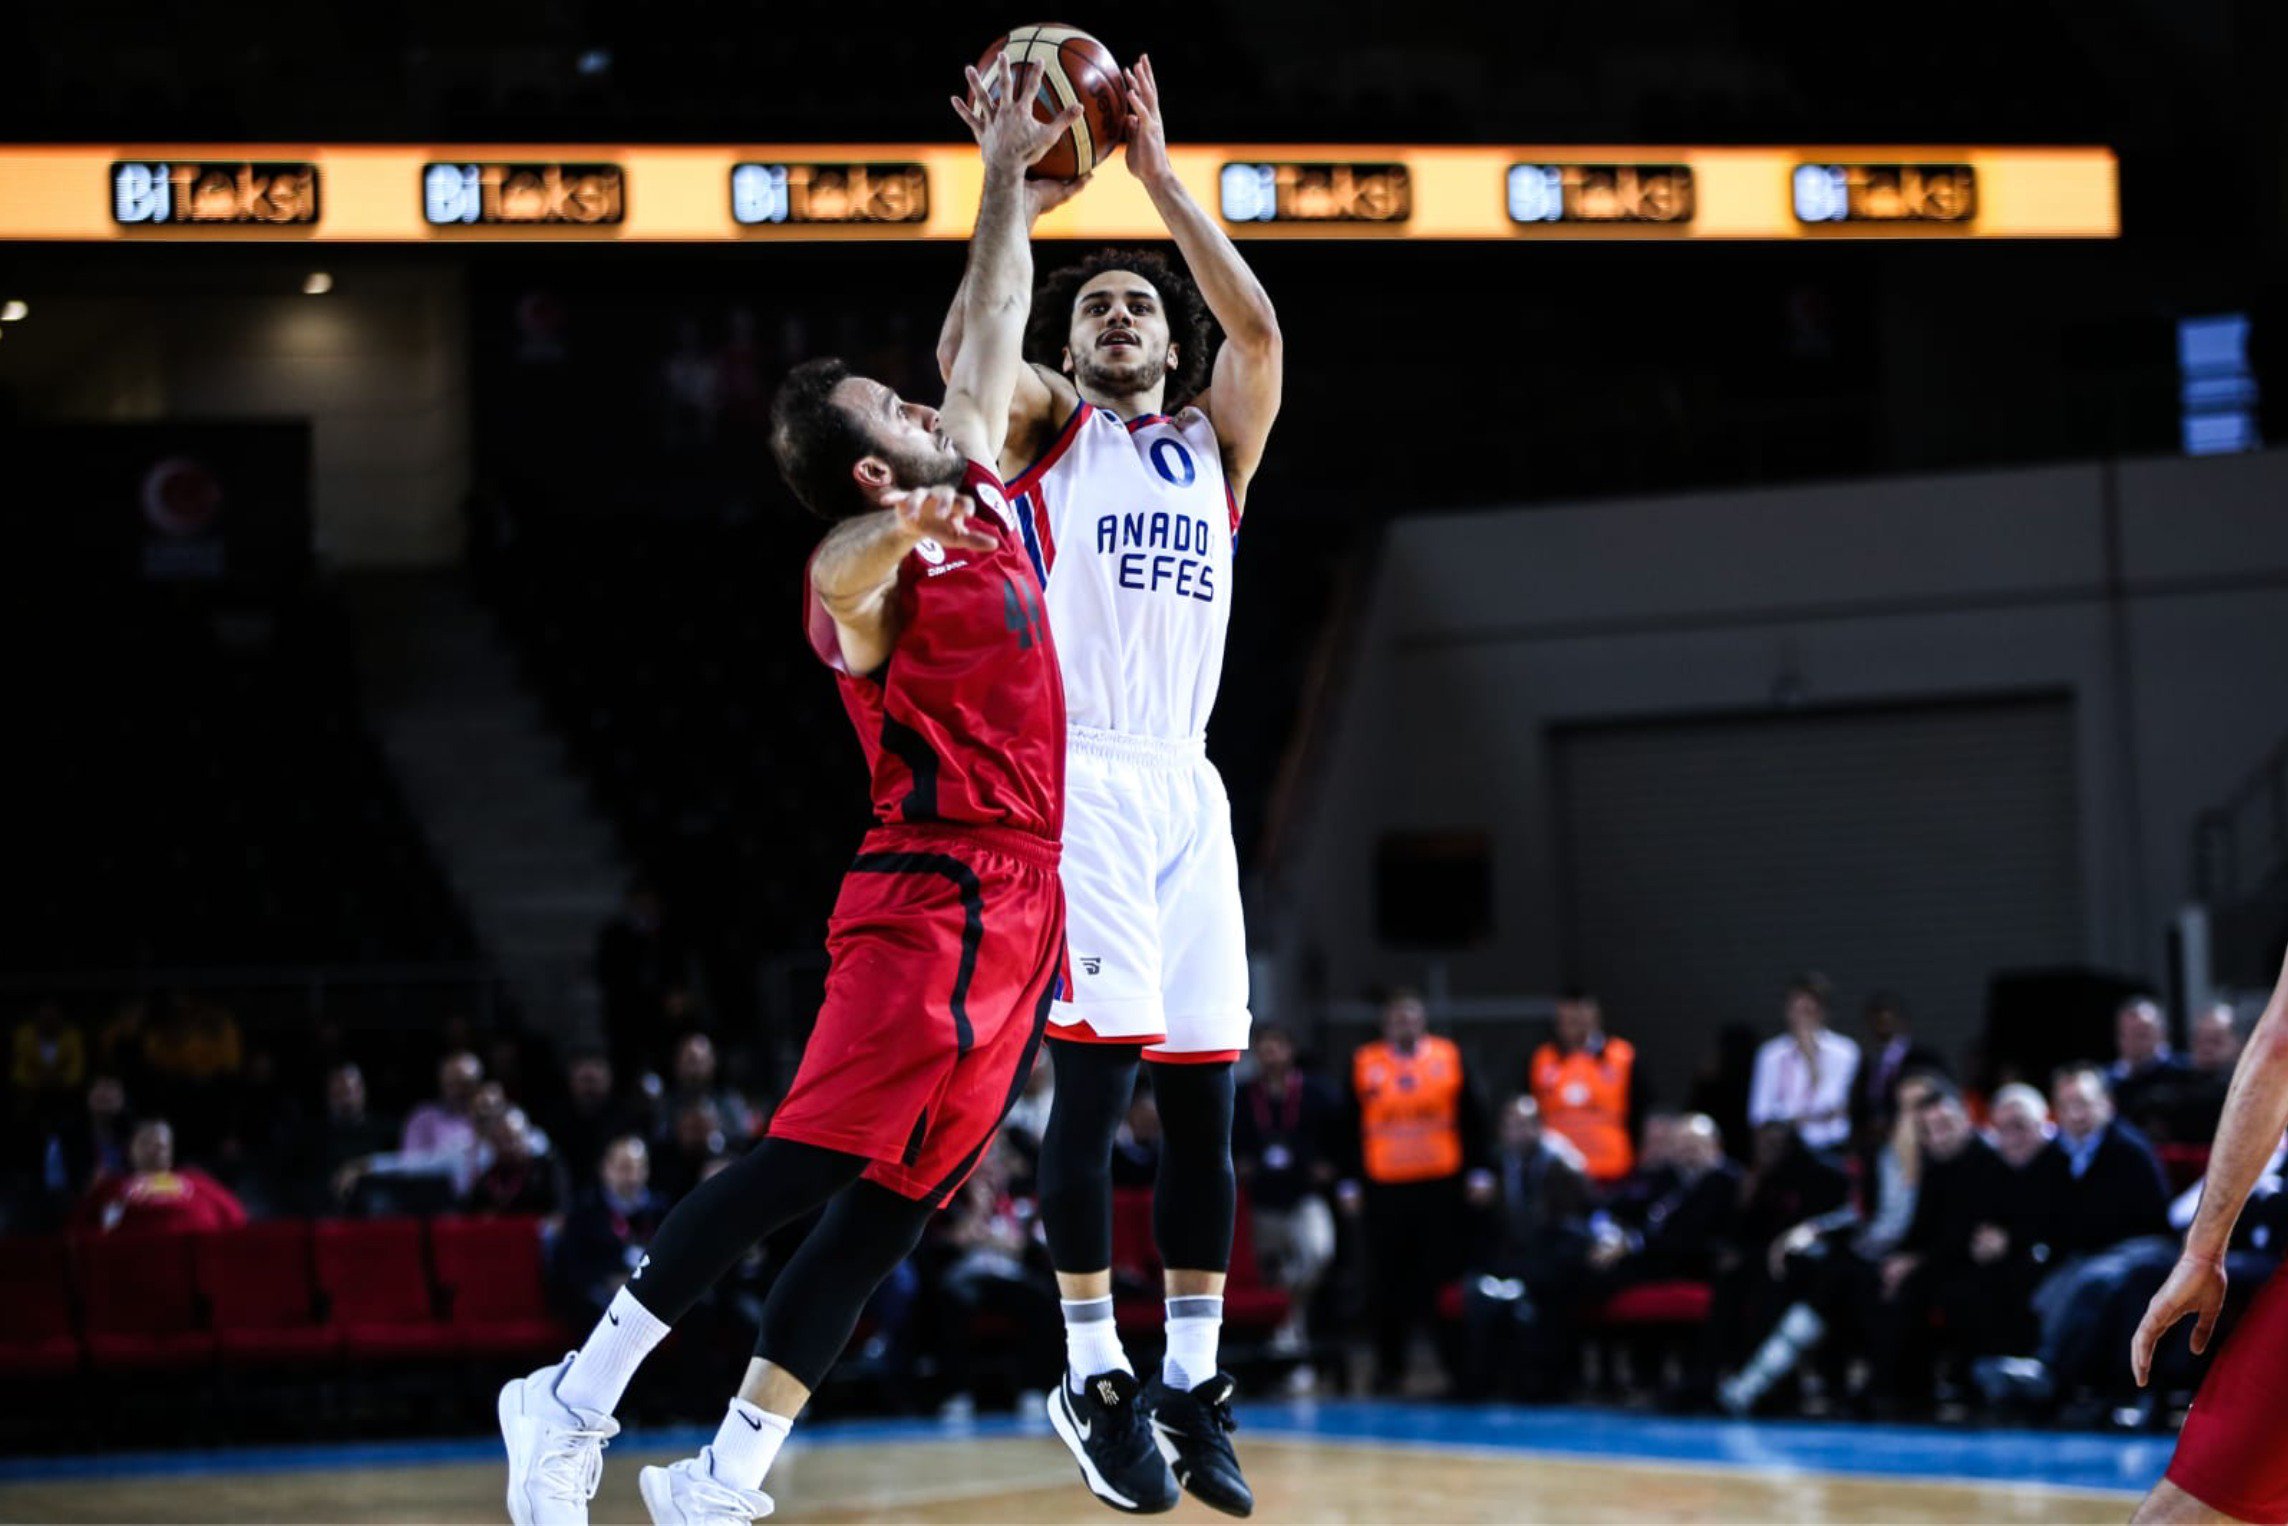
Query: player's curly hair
[815, 440]
[1190, 329]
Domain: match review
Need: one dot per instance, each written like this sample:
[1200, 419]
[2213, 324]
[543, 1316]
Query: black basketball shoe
[1194, 1431]
[1103, 1426]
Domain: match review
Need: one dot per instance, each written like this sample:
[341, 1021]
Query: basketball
[1078, 69]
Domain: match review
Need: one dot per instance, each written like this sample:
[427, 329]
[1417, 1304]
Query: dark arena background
[1775, 546]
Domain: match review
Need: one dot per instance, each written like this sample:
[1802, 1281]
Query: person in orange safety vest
[1420, 1166]
[1585, 1083]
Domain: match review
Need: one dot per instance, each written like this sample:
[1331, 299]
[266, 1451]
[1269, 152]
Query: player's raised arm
[1042, 398]
[1242, 395]
[2255, 1114]
[854, 573]
[988, 362]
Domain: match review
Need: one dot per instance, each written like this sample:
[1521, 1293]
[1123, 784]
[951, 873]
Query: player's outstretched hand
[2196, 1287]
[1041, 195]
[999, 113]
[941, 514]
[1147, 135]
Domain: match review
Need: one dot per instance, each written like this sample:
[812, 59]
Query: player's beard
[943, 467]
[1138, 371]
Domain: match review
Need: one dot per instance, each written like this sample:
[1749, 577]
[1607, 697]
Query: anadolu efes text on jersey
[1132, 526]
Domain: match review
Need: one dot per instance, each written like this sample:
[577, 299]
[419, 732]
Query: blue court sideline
[2062, 1460]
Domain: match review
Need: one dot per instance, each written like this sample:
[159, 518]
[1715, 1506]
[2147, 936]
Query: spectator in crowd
[696, 1079]
[1939, 1265]
[349, 1133]
[1521, 1298]
[1803, 1077]
[2100, 1191]
[95, 1143]
[444, 1147]
[1786, 1183]
[695, 1141]
[607, 1232]
[1890, 1053]
[192, 1056]
[591, 1116]
[1419, 1155]
[1584, 1084]
[1824, 1270]
[1676, 1214]
[2144, 1068]
[1283, 1132]
[2102, 1180]
[154, 1194]
[2019, 1119]
[2187, 1111]
[518, 1179]
[993, 1268]
[1136, 1145]
[49, 1064]
[640, 957]
[444, 1126]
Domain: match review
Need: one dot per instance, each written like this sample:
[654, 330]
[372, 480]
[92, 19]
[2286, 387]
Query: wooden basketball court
[1003, 1471]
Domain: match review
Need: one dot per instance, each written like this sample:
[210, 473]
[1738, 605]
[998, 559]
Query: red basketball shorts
[944, 951]
[2233, 1452]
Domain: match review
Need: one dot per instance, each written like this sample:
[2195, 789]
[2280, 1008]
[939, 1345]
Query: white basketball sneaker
[555, 1452]
[689, 1494]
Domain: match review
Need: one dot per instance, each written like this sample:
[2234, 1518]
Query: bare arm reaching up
[1242, 395]
[988, 361]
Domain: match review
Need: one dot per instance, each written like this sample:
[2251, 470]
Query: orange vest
[1410, 1110]
[1585, 1098]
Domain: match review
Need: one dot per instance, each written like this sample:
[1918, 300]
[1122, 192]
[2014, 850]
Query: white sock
[746, 1445]
[1194, 1324]
[615, 1349]
[1092, 1340]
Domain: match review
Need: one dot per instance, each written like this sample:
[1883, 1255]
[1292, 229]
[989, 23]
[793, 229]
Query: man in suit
[2145, 1072]
[1890, 1053]
[2100, 1191]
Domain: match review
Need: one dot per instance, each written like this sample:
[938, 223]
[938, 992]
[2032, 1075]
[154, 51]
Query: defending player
[948, 936]
[1132, 515]
[2232, 1457]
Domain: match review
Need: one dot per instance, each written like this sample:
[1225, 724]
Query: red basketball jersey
[966, 721]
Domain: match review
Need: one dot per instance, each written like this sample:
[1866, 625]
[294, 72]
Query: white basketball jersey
[1131, 525]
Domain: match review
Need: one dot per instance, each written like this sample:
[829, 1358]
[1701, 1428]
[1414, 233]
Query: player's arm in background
[2255, 1114]
[1041, 399]
[1242, 395]
[987, 369]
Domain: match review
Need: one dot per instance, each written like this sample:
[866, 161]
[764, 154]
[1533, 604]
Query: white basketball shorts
[1152, 911]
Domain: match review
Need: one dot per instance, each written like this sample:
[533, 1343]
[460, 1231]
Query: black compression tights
[1194, 1196]
[814, 1305]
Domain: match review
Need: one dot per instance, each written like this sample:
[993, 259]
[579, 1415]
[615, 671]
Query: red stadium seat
[375, 1276]
[36, 1334]
[261, 1292]
[495, 1286]
[142, 1302]
[1248, 1305]
[1659, 1303]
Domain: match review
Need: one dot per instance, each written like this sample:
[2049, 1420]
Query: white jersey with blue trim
[1131, 525]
